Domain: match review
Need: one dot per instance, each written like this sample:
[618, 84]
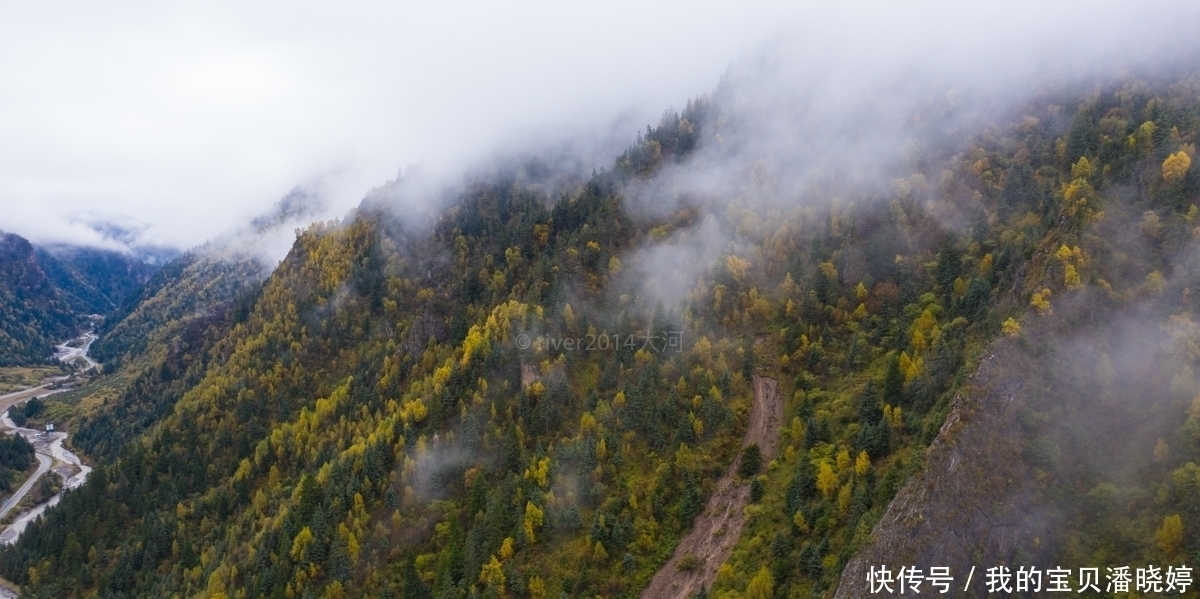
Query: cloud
[859, 96]
[267, 237]
[194, 118]
[670, 269]
[870, 103]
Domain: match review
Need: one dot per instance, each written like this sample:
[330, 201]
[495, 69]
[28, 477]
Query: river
[68, 354]
[49, 446]
[51, 454]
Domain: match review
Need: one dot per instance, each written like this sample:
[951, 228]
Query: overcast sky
[187, 120]
[191, 119]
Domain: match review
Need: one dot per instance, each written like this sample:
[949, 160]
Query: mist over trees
[366, 420]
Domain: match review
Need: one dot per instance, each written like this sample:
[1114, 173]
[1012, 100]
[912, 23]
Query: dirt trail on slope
[717, 528]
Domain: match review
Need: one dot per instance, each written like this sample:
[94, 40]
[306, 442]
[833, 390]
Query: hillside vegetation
[395, 411]
[33, 318]
[46, 294]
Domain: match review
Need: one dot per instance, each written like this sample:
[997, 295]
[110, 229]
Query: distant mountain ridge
[94, 279]
[32, 313]
[46, 292]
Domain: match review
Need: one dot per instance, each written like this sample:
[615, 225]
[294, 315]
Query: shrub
[751, 461]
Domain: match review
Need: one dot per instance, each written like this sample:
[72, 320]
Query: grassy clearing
[16, 378]
[65, 408]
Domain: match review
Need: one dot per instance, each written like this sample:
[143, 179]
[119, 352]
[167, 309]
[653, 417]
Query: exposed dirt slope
[718, 527]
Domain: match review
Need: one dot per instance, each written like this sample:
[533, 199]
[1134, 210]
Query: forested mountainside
[47, 293]
[396, 411]
[1075, 443]
[93, 281]
[159, 345]
[32, 315]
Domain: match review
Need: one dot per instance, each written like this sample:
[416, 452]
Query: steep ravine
[716, 530]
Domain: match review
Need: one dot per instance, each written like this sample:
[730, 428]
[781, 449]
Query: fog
[180, 123]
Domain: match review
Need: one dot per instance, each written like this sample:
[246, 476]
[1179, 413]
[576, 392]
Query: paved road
[48, 450]
[48, 447]
[7, 401]
[72, 470]
[43, 467]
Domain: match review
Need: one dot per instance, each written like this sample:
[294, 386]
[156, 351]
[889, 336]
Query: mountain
[158, 345]
[93, 281]
[47, 293]
[720, 367]
[33, 315]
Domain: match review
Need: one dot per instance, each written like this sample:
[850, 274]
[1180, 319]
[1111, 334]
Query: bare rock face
[974, 503]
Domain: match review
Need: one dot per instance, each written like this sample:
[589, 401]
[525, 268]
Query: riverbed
[49, 448]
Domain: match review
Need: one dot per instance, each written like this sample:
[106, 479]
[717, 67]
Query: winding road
[44, 463]
[49, 450]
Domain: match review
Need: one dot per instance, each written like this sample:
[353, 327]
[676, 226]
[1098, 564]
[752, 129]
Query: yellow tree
[1071, 278]
[534, 516]
[827, 480]
[1176, 166]
[1081, 169]
[762, 586]
[1143, 138]
[862, 464]
[303, 539]
[738, 268]
[492, 576]
[1041, 302]
[587, 422]
[1155, 282]
[1010, 327]
[1170, 534]
[800, 522]
[537, 588]
[843, 459]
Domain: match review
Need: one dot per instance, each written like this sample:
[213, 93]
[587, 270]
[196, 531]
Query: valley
[50, 453]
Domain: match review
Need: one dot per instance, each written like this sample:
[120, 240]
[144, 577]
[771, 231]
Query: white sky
[188, 119]
[191, 119]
